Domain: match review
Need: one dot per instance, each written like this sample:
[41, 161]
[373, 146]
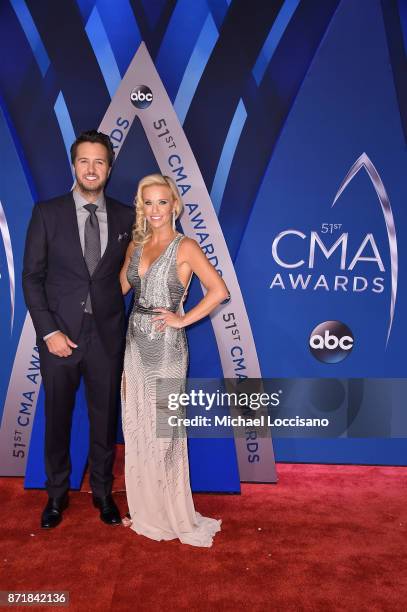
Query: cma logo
[141, 96]
[341, 243]
[331, 342]
[346, 280]
[348, 277]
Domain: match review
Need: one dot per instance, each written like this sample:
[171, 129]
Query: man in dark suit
[74, 250]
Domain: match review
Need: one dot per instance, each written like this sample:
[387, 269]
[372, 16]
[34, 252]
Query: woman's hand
[166, 318]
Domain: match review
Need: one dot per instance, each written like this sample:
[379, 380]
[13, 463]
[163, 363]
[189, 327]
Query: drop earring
[173, 220]
[145, 225]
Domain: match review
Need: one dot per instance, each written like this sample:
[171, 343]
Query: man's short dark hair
[94, 136]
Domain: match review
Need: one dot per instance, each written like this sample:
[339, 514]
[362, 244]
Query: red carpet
[325, 538]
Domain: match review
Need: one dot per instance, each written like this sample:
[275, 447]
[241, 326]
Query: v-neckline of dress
[155, 260]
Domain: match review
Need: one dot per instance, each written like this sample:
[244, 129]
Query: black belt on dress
[150, 310]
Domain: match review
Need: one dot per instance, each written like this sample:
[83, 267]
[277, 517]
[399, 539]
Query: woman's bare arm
[125, 285]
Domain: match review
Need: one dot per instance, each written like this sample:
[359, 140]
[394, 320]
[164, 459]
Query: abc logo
[141, 96]
[331, 341]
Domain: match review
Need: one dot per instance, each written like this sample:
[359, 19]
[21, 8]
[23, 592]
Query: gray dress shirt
[81, 215]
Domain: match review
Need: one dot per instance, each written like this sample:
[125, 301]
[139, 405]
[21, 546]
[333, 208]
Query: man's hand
[59, 344]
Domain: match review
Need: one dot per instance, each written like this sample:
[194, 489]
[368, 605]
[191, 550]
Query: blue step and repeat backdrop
[284, 124]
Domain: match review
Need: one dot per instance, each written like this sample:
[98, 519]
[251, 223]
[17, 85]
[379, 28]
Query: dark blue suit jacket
[56, 280]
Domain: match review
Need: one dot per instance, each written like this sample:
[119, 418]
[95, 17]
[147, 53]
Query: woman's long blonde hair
[139, 235]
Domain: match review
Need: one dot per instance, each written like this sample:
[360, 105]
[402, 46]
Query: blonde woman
[158, 267]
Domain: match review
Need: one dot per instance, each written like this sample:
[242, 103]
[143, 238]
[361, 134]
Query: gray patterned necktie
[92, 239]
[92, 246]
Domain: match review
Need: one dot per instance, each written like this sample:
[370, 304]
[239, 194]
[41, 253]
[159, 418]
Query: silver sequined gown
[156, 468]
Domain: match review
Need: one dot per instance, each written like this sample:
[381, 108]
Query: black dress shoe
[109, 513]
[52, 514]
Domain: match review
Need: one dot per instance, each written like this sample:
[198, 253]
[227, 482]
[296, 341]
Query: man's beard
[97, 188]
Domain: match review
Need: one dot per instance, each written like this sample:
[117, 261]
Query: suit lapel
[111, 233]
[71, 231]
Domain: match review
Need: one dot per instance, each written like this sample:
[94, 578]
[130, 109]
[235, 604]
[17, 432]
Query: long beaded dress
[156, 468]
